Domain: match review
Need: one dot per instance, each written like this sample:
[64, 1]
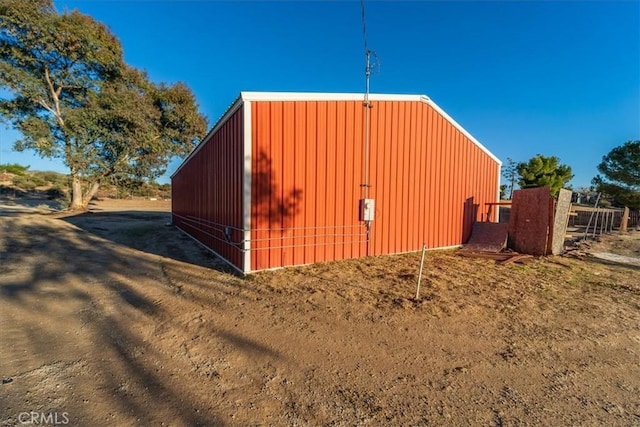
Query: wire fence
[282, 237]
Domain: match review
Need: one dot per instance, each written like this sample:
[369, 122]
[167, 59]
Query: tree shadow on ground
[149, 232]
[612, 262]
[68, 294]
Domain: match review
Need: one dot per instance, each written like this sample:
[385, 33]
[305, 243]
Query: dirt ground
[113, 318]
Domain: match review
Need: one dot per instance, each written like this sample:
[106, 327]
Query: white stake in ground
[424, 248]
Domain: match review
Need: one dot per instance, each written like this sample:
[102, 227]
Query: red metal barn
[279, 179]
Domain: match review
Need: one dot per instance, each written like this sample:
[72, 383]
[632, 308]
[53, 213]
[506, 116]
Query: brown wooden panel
[529, 222]
[488, 237]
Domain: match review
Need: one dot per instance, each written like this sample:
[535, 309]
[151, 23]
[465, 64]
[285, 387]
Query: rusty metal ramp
[488, 237]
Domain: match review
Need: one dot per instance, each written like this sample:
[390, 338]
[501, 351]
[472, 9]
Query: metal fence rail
[582, 215]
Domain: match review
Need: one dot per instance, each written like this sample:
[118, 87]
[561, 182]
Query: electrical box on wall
[367, 209]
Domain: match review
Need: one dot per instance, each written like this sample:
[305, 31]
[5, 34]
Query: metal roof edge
[326, 96]
[461, 129]
[222, 120]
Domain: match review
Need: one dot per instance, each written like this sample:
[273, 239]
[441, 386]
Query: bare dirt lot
[114, 318]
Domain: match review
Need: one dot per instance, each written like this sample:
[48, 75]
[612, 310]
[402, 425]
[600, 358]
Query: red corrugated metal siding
[429, 180]
[438, 180]
[303, 172]
[207, 191]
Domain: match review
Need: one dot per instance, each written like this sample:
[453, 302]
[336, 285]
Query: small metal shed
[287, 179]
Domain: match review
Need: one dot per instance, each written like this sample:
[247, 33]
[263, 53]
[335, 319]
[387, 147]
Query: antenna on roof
[367, 205]
[368, 53]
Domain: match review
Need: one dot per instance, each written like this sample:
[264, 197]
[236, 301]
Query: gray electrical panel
[367, 209]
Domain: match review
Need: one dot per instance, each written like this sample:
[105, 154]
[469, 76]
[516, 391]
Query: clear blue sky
[555, 78]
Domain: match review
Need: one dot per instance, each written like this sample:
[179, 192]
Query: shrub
[54, 178]
[28, 182]
[13, 168]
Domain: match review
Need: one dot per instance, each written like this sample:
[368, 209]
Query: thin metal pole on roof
[367, 130]
[367, 105]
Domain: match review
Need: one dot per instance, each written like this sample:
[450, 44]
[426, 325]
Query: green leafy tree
[135, 126]
[510, 173]
[620, 179]
[542, 171]
[72, 97]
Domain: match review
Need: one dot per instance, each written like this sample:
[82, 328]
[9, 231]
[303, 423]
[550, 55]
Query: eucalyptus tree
[67, 89]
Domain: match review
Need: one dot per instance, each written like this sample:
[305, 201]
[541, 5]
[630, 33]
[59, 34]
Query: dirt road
[114, 318]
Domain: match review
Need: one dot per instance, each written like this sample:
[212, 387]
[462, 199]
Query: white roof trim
[247, 173]
[221, 121]
[463, 130]
[320, 96]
